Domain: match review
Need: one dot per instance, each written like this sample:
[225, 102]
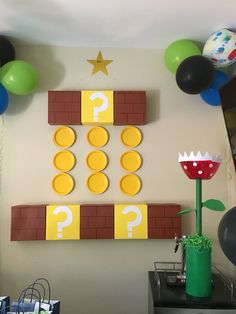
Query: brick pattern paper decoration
[66, 108]
[131, 221]
[97, 221]
[163, 222]
[28, 222]
[63, 222]
[129, 107]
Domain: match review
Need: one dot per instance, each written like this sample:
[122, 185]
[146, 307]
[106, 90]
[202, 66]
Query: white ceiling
[114, 23]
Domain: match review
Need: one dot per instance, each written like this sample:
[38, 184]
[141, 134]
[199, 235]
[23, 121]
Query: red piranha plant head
[199, 166]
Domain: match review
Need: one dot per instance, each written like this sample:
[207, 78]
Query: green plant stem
[199, 206]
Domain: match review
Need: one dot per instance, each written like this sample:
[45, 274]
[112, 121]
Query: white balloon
[220, 48]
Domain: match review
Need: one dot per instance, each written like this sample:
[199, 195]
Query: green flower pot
[198, 271]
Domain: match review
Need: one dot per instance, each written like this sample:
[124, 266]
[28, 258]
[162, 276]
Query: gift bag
[36, 298]
[4, 304]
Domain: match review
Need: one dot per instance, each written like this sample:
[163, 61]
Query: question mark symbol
[134, 223]
[101, 108]
[65, 223]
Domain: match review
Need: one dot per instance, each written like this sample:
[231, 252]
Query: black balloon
[195, 74]
[227, 234]
[7, 51]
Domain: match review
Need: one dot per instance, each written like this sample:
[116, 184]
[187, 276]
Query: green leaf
[214, 205]
[185, 211]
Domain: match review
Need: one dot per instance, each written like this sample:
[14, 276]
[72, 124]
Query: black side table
[166, 299]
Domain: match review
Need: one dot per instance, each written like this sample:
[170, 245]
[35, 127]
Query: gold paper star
[100, 64]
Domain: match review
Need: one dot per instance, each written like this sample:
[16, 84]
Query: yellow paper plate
[97, 160]
[64, 137]
[97, 136]
[131, 161]
[97, 182]
[64, 160]
[63, 183]
[130, 184]
[131, 136]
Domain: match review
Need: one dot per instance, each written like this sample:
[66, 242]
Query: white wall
[104, 276]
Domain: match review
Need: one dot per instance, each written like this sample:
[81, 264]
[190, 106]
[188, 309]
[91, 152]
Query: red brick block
[97, 221]
[129, 107]
[64, 107]
[163, 222]
[28, 222]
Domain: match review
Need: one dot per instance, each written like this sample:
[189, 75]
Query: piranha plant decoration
[198, 247]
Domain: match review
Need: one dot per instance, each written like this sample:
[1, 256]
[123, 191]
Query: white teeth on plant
[191, 156]
[198, 156]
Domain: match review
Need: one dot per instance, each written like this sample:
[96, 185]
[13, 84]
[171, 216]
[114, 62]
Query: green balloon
[19, 77]
[178, 51]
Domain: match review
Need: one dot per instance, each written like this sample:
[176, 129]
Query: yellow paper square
[63, 222]
[97, 107]
[131, 221]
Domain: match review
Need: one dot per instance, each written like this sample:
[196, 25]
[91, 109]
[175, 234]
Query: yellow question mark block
[131, 221]
[97, 107]
[63, 222]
